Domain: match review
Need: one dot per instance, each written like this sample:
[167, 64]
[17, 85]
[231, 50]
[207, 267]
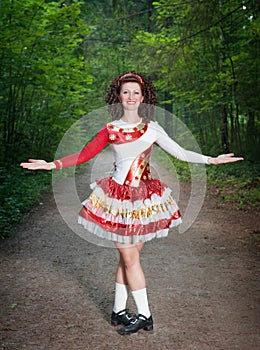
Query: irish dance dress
[130, 206]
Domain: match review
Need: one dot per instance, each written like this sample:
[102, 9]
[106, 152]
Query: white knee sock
[141, 300]
[121, 295]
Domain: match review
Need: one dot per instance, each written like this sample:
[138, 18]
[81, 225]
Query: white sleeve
[172, 147]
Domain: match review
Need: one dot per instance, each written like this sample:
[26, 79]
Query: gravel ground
[57, 288]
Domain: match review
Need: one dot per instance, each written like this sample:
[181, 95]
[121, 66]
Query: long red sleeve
[89, 151]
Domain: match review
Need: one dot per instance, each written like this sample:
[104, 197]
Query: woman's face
[131, 95]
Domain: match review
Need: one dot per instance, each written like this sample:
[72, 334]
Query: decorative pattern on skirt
[128, 214]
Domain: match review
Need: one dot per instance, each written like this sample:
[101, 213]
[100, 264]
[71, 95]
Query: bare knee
[129, 259]
[130, 263]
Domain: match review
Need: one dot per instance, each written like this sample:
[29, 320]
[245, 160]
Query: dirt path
[57, 289]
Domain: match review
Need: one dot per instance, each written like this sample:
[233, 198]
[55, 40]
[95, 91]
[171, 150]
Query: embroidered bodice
[132, 145]
[131, 150]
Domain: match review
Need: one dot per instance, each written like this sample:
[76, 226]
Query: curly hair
[146, 108]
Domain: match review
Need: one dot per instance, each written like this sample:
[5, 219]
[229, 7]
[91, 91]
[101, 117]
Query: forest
[58, 58]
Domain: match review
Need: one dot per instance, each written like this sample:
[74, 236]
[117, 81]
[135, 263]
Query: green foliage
[237, 184]
[181, 169]
[206, 56]
[58, 58]
[43, 79]
[19, 190]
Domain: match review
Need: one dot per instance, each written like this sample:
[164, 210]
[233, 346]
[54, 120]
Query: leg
[134, 275]
[121, 284]
[130, 270]
[120, 314]
[121, 276]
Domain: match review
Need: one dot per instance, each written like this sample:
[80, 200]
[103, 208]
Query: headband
[136, 76]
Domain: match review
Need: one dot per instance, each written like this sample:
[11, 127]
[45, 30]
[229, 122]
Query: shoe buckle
[134, 321]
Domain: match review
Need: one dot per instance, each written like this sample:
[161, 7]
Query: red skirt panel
[128, 214]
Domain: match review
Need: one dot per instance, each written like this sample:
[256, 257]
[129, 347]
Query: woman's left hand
[224, 158]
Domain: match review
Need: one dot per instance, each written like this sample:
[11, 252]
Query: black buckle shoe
[122, 317]
[141, 322]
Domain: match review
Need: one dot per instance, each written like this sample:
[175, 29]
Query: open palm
[37, 164]
[224, 158]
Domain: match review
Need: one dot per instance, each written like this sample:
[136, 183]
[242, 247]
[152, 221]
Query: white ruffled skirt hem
[101, 233]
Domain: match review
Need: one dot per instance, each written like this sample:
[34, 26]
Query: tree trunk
[224, 129]
[168, 114]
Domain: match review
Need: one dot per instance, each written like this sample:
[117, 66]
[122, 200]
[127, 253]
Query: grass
[19, 190]
[235, 183]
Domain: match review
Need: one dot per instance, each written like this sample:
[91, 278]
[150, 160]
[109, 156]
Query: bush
[238, 183]
[19, 190]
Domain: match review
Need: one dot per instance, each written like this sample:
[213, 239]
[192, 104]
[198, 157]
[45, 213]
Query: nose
[131, 95]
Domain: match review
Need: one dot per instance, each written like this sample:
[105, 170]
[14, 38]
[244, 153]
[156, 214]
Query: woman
[130, 207]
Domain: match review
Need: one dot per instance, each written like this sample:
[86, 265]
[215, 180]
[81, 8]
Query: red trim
[136, 167]
[58, 164]
[136, 76]
[125, 192]
[129, 230]
[121, 135]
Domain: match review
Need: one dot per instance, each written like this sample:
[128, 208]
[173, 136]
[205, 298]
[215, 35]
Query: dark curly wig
[146, 108]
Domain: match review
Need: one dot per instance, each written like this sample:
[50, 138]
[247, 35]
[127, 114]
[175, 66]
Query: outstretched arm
[89, 151]
[173, 148]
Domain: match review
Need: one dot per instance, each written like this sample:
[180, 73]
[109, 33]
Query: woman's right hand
[38, 164]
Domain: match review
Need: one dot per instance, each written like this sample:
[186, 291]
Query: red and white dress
[130, 206]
